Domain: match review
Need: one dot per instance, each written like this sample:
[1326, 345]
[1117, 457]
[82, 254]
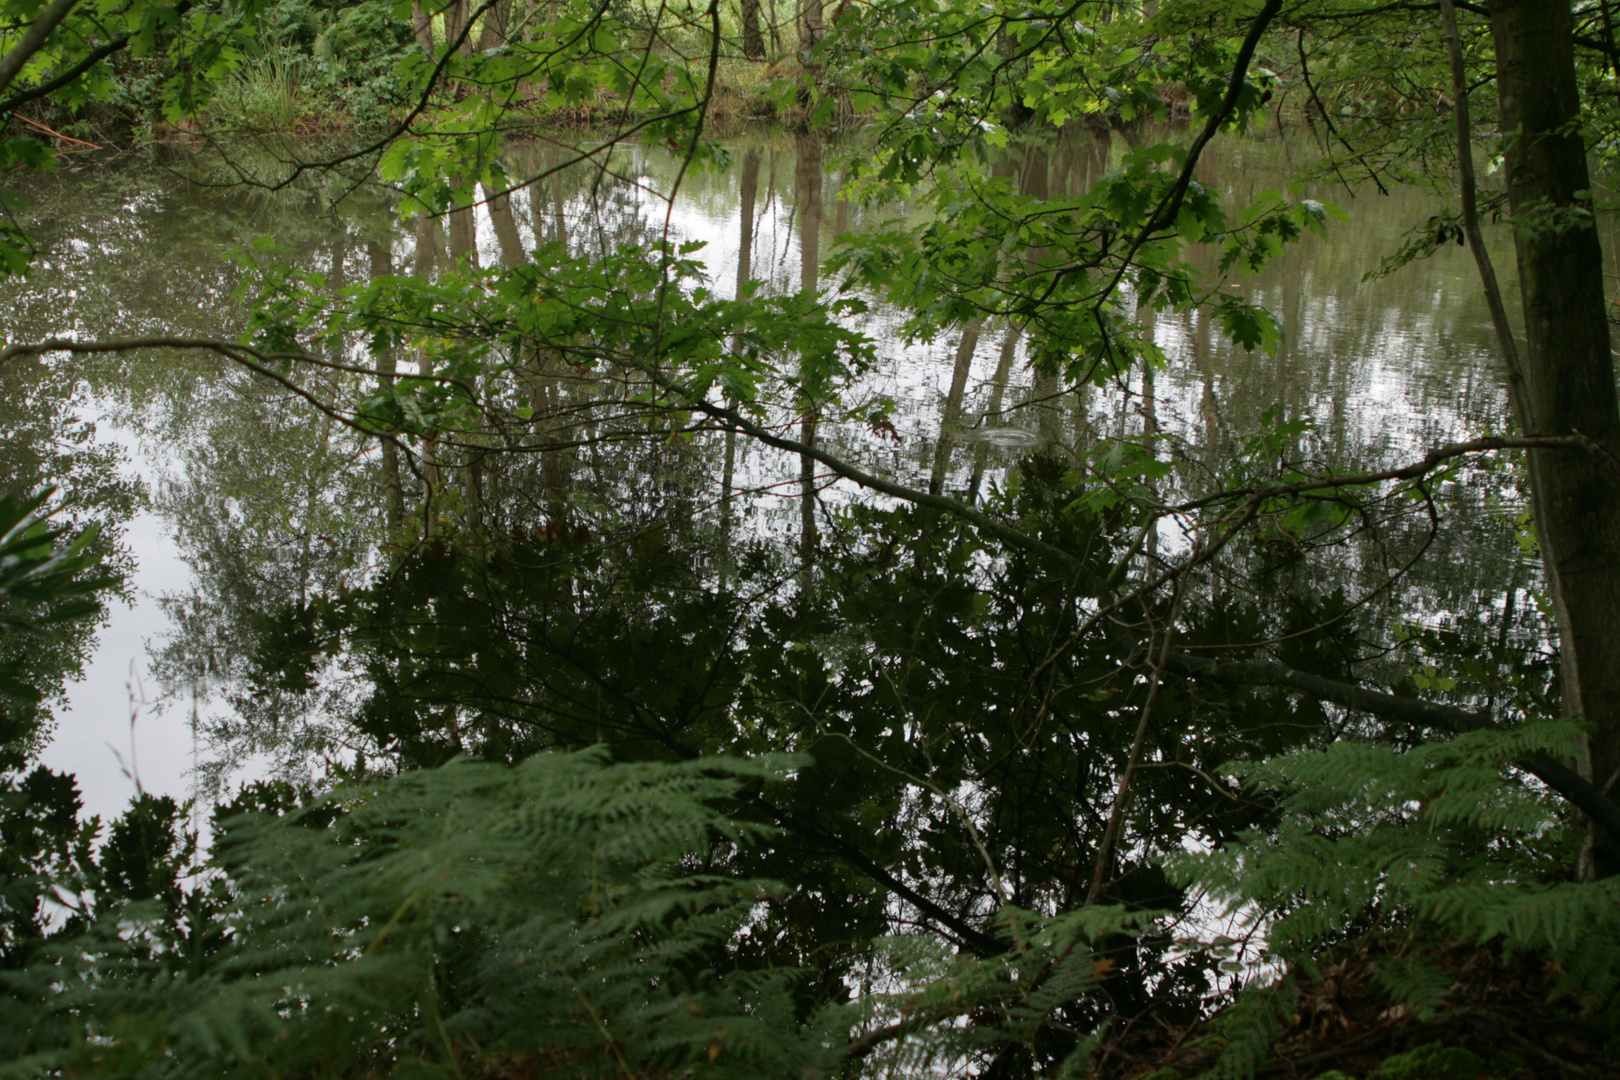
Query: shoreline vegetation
[303, 80]
[289, 90]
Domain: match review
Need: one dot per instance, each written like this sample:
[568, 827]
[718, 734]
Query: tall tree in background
[496, 18]
[753, 40]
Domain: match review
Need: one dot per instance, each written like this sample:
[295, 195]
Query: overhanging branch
[1565, 782]
[1569, 785]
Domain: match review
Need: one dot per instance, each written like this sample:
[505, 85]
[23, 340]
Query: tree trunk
[455, 21]
[496, 19]
[1568, 365]
[951, 421]
[807, 190]
[753, 41]
[506, 231]
[810, 29]
[463, 237]
[382, 265]
[423, 24]
[748, 189]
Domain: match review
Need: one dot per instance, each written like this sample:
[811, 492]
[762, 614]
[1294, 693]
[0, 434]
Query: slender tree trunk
[1034, 181]
[423, 265]
[427, 245]
[1568, 364]
[506, 231]
[952, 418]
[463, 237]
[455, 21]
[807, 189]
[992, 409]
[749, 189]
[422, 22]
[539, 196]
[753, 41]
[749, 185]
[810, 26]
[382, 265]
[493, 33]
[560, 234]
[810, 32]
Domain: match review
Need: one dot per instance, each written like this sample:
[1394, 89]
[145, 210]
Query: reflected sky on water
[1383, 366]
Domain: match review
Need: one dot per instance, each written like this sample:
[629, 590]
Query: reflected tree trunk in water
[748, 195]
[427, 245]
[749, 188]
[464, 250]
[315, 468]
[1034, 181]
[382, 265]
[545, 398]
[841, 205]
[952, 420]
[337, 278]
[423, 265]
[807, 190]
[992, 409]
[507, 236]
[1209, 404]
[1080, 416]
[537, 194]
[463, 237]
[1150, 439]
[559, 214]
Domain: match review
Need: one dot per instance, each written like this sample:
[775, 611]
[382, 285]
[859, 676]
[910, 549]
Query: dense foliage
[1106, 758]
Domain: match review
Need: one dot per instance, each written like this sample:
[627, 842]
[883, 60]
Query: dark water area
[228, 496]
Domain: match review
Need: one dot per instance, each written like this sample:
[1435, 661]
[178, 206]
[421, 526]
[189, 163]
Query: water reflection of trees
[48, 440]
[563, 562]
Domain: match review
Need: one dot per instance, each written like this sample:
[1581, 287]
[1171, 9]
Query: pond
[228, 497]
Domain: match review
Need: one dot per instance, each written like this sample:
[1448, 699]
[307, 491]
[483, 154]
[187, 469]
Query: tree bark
[506, 231]
[748, 190]
[952, 419]
[463, 237]
[422, 22]
[456, 15]
[810, 28]
[496, 19]
[753, 40]
[1568, 363]
[39, 31]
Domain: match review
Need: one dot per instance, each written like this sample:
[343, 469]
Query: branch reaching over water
[1567, 783]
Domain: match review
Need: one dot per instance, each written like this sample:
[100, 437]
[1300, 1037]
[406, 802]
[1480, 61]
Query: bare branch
[33, 39]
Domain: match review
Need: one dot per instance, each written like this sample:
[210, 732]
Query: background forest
[649, 687]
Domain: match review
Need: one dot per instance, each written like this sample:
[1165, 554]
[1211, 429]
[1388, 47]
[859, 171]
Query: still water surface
[243, 495]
